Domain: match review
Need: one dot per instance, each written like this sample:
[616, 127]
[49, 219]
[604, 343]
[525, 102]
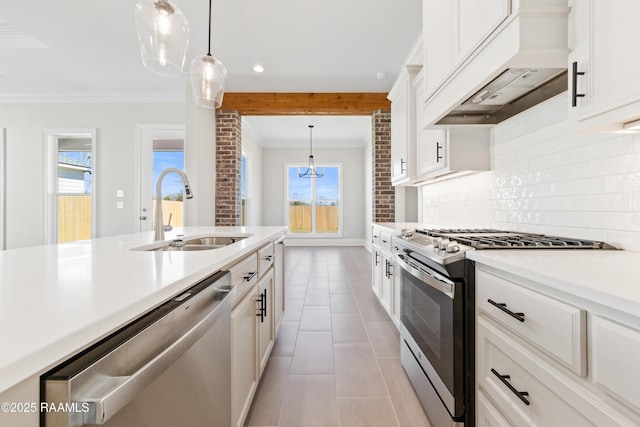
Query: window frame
[314, 234]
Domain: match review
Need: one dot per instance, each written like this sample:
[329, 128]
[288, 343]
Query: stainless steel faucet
[159, 223]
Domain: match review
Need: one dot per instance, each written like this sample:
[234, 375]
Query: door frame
[50, 137]
[145, 134]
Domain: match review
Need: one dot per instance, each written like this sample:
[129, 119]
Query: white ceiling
[92, 50]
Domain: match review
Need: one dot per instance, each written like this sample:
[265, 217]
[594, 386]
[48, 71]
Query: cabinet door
[386, 288]
[606, 38]
[432, 152]
[265, 320]
[376, 271]
[244, 367]
[438, 25]
[278, 285]
[400, 132]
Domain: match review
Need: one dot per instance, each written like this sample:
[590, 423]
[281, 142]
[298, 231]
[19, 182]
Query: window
[70, 205]
[314, 204]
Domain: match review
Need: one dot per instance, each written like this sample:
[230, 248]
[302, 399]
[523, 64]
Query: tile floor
[336, 361]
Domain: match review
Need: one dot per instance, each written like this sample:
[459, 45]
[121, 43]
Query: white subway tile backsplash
[548, 179]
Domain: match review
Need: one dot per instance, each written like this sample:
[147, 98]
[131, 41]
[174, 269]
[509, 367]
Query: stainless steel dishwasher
[170, 367]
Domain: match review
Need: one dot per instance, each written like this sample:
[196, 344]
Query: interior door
[153, 139]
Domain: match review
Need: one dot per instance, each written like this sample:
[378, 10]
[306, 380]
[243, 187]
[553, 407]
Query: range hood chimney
[520, 64]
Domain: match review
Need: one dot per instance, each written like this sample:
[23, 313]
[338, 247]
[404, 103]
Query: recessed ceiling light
[381, 75]
[258, 68]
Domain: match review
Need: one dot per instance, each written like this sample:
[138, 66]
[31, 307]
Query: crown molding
[92, 98]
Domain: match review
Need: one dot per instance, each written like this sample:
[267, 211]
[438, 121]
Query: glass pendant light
[163, 35]
[311, 171]
[208, 77]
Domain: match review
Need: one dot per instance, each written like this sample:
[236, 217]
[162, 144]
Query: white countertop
[608, 280]
[58, 299]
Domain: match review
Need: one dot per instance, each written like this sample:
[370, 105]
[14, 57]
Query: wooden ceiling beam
[288, 104]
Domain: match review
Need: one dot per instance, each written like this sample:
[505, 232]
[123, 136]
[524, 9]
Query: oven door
[432, 318]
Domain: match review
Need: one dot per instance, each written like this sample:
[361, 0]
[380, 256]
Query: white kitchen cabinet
[403, 126]
[531, 358]
[606, 92]
[244, 353]
[265, 321]
[278, 282]
[382, 268]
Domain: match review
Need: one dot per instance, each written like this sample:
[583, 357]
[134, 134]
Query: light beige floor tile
[362, 290]
[339, 287]
[296, 292]
[384, 337]
[286, 340]
[348, 327]
[293, 310]
[310, 401]
[343, 303]
[370, 309]
[267, 404]
[366, 412]
[313, 353]
[357, 372]
[405, 402]
[318, 282]
[317, 297]
[316, 318]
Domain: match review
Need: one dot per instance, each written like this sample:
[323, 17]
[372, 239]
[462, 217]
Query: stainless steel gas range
[437, 317]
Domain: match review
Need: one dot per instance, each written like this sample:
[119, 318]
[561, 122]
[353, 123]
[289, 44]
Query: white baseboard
[325, 242]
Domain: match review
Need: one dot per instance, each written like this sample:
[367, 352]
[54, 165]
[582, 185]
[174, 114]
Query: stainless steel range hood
[513, 91]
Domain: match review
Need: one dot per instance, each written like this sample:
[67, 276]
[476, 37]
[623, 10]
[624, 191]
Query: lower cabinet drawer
[526, 390]
[615, 351]
[265, 258]
[557, 328]
[244, 275]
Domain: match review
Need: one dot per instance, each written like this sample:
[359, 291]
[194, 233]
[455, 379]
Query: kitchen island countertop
[56, 300]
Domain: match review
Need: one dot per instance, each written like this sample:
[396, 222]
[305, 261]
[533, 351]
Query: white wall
[368, 192]
[252, 149]
[353, 196]
[545, 178]
[25, 157]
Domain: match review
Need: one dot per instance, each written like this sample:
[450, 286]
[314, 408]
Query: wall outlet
[119, 205]
[119, 193]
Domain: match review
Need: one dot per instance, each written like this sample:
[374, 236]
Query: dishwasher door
[170, 367]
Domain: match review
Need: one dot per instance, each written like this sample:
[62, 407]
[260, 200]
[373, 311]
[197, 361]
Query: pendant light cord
[209, 47]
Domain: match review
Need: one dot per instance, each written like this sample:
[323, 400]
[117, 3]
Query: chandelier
[311, 171]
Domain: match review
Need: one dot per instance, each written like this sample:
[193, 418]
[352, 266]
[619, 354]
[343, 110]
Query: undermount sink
[202, 243]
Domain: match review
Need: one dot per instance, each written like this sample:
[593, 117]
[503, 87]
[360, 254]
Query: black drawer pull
[269, 258]
[503, 307]
[521, 394]
[250, 276]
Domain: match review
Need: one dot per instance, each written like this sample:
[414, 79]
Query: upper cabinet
[603, 65]
[483, 55]
[403, 118]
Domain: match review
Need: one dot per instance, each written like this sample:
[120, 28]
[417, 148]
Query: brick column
[228, 158]
[384, 193]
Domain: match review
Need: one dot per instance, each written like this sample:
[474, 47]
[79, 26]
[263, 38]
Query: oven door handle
[439, 285]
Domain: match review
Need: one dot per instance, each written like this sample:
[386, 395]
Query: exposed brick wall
[228, 158]
[384, 193]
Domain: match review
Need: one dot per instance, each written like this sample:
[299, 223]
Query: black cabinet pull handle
[250, 276]
[438, 148]
[503, 307]
[574, 89]
[402, 162]
[521, 394]
[264, 303]
[261, 308]
[269, 258]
